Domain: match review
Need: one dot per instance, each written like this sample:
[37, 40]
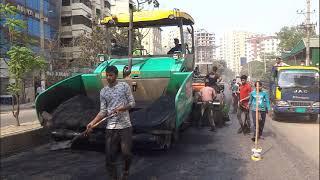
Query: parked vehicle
[295, 91]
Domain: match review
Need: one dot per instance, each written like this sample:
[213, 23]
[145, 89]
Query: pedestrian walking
[116, 98]
[243, 107]
[263, 108]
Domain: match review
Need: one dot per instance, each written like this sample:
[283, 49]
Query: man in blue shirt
[263, 108]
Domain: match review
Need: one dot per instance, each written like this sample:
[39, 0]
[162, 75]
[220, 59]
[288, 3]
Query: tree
[256, 69]
[224, 70]
[290, 36]
[22, 61]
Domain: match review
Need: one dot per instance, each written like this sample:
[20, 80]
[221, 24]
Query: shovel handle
[95, 125]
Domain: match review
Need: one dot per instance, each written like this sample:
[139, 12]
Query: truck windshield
[298, 78]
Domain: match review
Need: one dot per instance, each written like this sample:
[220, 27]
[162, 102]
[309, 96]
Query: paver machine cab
[161, 85]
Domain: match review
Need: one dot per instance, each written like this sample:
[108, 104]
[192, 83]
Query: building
[233, 49]
[205, 46]
[152, 40]
[119, 6]
[77, 17]
[40, 28]
[262, 47]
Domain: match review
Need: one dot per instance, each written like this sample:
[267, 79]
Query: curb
[16, 143]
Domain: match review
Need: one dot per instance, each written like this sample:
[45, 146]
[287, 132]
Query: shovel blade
[61, 145]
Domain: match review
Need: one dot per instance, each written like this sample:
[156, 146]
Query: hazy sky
[261, 16]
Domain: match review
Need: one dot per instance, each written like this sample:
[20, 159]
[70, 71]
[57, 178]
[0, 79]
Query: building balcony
[74, 30]
[76, 9]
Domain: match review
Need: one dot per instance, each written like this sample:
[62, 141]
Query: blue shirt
[263, 104]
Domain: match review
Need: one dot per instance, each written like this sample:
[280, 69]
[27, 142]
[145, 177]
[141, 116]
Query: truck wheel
[313, 117]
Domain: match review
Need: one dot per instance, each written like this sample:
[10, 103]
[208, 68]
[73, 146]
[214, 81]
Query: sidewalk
[6, 108]
[24, 127]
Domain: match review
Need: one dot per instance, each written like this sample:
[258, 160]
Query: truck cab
[295, 91]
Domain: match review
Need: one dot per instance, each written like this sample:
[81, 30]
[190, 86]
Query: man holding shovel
[117, 98]
[261, 99]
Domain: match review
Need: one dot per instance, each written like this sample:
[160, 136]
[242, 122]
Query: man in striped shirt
[117, 98]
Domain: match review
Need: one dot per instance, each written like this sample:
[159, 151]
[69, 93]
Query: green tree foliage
[257, 70]
[290, 36]
[22, 61]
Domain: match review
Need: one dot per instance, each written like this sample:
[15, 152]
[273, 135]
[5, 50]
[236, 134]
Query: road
[199, 155]
[26, 115]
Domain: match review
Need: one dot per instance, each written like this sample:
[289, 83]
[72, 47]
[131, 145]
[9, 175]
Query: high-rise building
[119, 6]
[205, 46]
[233, 49]
[152, 40]
[77, 17]
[40, 27]
[261, 47]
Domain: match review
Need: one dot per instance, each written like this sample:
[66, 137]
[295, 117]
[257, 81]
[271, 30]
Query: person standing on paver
[245, 90]
[263, 105]
[117, 98]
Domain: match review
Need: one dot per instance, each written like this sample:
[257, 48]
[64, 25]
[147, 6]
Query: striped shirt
[114, 97]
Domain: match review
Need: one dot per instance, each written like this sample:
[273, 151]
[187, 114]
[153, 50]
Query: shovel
[67, 144]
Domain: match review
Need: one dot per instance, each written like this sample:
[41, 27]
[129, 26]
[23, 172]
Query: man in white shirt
[280, 62]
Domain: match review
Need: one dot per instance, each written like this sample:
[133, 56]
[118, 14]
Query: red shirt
[245, 91]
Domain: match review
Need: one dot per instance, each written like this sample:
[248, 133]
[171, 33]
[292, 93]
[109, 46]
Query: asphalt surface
[199, 155]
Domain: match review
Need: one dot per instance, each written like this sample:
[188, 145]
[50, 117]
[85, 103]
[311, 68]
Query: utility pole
[43, 75]
[308, 26]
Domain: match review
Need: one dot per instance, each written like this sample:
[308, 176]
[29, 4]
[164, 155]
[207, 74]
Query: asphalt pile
[74, 113]
[154, 115]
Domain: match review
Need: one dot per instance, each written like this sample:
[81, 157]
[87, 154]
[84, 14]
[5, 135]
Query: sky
[258, 16]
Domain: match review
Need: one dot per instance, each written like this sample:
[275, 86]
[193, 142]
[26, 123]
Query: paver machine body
[161, 85]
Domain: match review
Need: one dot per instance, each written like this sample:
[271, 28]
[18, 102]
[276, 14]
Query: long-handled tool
[256, 151]
[67, 144]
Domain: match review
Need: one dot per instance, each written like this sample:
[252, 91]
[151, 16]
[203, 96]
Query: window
[65, 21]
[98, 12]
[81, 20]
[33, 27]
[65, 2]
[107, 4]
[34, 4]
[66, 42]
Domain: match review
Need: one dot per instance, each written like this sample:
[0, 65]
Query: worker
[279, 62]
[263, 108]
[235, 95]
[302, 63]
[116, 98]
[243, 108]
[213, 77]
[207, 96]
[177, 47]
